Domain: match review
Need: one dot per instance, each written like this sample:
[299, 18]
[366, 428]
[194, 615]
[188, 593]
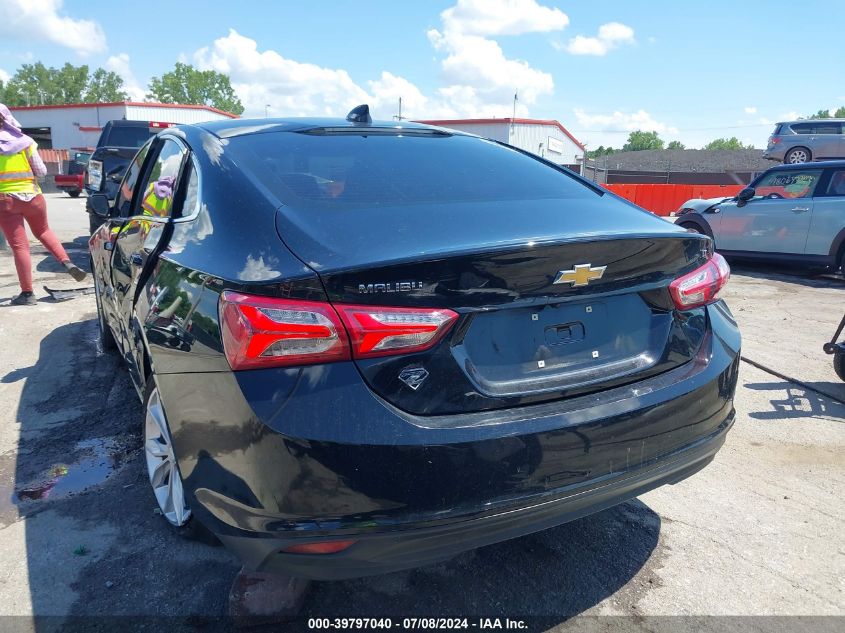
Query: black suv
[118, 143]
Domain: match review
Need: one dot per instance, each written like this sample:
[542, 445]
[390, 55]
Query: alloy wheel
[162, 467]
[797, 156]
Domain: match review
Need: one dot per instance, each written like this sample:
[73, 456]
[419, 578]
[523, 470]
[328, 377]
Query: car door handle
[136, 260]
[800, 209]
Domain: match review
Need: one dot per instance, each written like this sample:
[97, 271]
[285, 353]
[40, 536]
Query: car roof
[241, 127]
[127, 123]
[829, 120]
[821, 164]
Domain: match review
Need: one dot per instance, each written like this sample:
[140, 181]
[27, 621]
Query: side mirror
[99, 203]
[744, 196]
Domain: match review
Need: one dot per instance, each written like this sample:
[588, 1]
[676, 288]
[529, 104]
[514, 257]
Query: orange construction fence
[663, 199]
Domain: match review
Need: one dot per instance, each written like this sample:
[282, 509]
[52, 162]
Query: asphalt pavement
[759, 532]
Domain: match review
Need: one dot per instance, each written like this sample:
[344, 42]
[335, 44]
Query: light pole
[266, 106]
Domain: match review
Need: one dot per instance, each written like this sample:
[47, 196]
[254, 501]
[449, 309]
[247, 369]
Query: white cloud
[256, 269]
[764, 121]
[4, 76]
[613, 129]
[479, 63]
[622, 121]
[290, 87]
[480, 80]
[610, 36]
[750, 110]
[120, 65]
[502, 17]
[387, 90]
[788, 116]
[41, 20]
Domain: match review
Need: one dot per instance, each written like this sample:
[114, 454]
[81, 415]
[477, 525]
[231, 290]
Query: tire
[74, 194]
[163, 471]
[106, 337]
[689, 226]
[839, 365]
[797, 155]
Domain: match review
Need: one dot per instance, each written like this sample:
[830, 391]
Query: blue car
[788, 214]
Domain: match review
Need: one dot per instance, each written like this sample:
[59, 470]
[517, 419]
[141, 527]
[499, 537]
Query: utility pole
[266, 110]
[399, 116]
[515, 99]
[583, 161]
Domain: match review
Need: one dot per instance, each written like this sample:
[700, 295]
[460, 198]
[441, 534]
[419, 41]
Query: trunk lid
[557, 298]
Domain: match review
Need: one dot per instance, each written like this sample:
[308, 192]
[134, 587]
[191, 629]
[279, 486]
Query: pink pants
[12, 214]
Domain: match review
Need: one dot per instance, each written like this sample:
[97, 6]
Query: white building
[546, 138]
[80, 124]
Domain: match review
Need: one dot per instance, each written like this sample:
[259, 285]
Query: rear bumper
[377, 553]
[276, 458]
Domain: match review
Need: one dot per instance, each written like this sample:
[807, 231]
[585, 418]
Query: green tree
[676, 145]
[640, 140]
[186, 84]
[839, 113]
[34, 84]
[104, 87]
[821, 114]
[727, 143]
[601, 150]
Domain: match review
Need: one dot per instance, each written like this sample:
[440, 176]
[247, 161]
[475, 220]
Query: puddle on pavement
[95, 464]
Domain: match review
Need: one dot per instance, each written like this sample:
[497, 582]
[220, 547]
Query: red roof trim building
[140, 104]
[505, 121]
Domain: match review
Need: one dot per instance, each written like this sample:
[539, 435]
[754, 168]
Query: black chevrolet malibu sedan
[364, 346]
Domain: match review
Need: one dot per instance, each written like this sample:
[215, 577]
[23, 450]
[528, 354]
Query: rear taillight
[270, 332]
[702, 285]
[774, 140]
[325, 547]
[376, 331]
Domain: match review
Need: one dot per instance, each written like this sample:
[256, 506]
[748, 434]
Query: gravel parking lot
[759, 532]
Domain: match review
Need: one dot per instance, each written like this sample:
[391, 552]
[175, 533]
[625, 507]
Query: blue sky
[691, 71]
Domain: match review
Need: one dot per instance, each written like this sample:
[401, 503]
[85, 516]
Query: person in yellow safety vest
[21, 200]
[157, 199]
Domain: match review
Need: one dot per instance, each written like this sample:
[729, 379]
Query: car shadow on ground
[814, 278]
[96, 547]
[553, 574]
[801, 402]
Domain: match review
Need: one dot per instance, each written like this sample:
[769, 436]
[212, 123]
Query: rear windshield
[336, 171]
[129, 136]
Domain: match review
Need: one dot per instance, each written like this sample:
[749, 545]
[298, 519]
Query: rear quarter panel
[827, 222]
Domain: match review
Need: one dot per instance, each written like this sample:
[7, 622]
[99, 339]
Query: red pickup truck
[74, 180]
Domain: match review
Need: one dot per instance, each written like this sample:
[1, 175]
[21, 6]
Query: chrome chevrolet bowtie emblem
[581, 275]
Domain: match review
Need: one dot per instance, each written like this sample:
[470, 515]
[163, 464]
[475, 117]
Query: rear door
[828, 214]
[827, 139]
[820, 136]
[138, 240]
[776, 220]
[841, 151]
